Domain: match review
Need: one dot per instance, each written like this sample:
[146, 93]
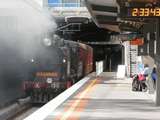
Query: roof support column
[158, 63]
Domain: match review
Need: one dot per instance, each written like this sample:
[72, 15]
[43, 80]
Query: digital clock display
[144, 12]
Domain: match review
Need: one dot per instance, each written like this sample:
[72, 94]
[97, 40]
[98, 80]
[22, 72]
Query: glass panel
[54, 3]
[82, 3]
[66, 3]
[70, 3]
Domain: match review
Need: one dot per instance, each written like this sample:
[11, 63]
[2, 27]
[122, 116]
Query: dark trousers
[154, 84]
[143, 84]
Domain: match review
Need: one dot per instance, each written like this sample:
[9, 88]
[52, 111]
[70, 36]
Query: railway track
[25, 113]
[19, 110]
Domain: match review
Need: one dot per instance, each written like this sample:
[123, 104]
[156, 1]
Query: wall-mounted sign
[144, 12]
[137, 41]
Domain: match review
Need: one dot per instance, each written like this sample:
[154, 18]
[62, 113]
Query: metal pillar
[158, 64]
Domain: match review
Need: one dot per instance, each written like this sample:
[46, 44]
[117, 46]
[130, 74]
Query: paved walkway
[113, 100]
[107, 98]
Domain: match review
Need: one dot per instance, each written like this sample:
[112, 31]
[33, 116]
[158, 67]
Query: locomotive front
[51, 73]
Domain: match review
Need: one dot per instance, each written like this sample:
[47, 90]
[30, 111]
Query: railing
[76, 27]
[66, 5]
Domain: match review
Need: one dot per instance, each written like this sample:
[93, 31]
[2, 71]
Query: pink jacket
[141, 77]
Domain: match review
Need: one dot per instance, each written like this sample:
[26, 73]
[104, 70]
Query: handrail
[65, 26]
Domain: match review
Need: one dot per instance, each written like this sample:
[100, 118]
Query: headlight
[64, 60]
[32, 60]
[47, 42]
[49, 80]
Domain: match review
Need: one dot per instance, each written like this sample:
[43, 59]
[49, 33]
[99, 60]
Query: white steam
[22, 25]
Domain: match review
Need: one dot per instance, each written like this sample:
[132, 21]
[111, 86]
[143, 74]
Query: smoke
[23, 25]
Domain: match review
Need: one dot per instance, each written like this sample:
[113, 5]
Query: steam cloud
[22, 25]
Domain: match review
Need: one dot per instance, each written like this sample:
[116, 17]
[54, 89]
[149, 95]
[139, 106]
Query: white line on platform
[44, 111]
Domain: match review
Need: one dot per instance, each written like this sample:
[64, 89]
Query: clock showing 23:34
[144, 12]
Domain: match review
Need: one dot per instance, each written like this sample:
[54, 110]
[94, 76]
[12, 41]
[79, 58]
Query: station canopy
[104, 13]
[113, 14]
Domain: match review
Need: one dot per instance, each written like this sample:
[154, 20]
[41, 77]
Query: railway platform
[100, 98]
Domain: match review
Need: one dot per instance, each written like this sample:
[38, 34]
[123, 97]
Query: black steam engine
[57, 66]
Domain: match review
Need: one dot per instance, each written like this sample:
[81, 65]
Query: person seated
[142, 79]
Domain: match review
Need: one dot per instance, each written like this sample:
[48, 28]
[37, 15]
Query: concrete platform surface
[107, 98]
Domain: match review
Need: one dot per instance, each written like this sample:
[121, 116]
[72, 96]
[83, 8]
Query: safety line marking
[48, 108]
[72, 108]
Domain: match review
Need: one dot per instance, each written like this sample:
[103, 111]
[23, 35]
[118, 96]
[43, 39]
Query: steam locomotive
[57, 66]
[31, 67]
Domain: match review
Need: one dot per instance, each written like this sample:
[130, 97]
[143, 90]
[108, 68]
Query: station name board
[144, 12]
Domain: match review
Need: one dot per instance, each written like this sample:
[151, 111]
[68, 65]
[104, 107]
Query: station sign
[137, 41]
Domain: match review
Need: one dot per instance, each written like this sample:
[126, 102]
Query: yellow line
[75, 104]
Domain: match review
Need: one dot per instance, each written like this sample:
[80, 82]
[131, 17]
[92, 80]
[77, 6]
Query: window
[71, 3]
[82, 3]
[66, 3]
[54, 3]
